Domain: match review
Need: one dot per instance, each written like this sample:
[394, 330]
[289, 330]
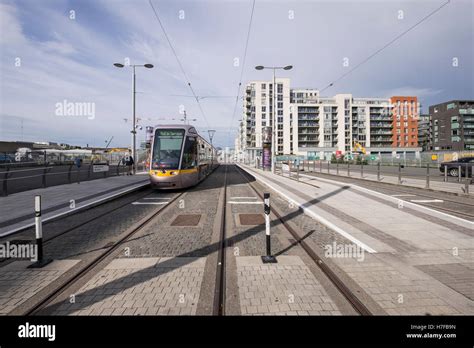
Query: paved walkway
[141, 286]
[410, 254]
[17, 210]
[436, 185]
[284, 288]
[19, 283]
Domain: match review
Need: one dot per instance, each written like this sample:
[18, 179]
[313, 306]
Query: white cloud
[11, 32]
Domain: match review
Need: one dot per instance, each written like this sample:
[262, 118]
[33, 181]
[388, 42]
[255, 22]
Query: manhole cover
[186, 220]
[251, 219]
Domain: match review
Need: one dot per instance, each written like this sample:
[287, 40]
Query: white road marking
[234, 202]
[243, 197]
[156, 203]
[426, 200]
[404, 195]
[165, 199]
[318, 217]
[360, 188]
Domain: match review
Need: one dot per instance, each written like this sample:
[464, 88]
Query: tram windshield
[167, 148]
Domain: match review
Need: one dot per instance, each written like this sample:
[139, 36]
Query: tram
[179, 157]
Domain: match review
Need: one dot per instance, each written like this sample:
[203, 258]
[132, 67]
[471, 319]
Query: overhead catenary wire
[179, 63]
[243, 66]
[386, 45]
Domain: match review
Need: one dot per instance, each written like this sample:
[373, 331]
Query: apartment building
[317, 127]
[424, 131]
[452, 125]
[405, 121]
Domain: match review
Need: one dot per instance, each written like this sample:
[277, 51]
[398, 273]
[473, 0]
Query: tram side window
[189, 153]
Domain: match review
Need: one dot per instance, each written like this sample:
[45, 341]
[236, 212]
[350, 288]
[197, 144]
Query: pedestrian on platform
[129, 162]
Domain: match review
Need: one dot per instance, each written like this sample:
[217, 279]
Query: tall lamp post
[261, 67]
[134, 123]
[211, 133]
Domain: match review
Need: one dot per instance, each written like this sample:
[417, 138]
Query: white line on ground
[426, 200]
[360, 188]
[317, 217]
[156, 203]
[403, 195]
[243, 197]
[165, 199]
[77, 208]
[234, 202]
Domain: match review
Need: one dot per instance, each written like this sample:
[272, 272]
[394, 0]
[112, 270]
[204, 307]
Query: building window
[264, 86]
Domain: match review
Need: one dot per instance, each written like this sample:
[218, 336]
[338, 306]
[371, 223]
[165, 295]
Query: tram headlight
[173, 173]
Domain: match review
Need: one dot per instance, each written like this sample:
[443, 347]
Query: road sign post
[268, 258]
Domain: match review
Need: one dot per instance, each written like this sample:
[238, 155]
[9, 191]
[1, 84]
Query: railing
[422, 177]
[14, 180]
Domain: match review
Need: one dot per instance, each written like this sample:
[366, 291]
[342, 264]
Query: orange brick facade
[405, 121]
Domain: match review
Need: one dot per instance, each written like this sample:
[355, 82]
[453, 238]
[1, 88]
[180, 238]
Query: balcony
[381, 125]
[381, 118]
[306, 131]
[307, 124]
[307, 117]
[382, 132]
[381, 139]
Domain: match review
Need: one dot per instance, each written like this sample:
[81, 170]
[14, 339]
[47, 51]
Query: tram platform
[410, 251]
[17, 210]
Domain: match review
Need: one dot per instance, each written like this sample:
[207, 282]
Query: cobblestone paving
[435, 280]
[99, 232]
[458, 276]
[397, 292]
[285, 288]
[141, 286]
[18, 283]
[162, 239]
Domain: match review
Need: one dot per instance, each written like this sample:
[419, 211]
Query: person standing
[129, 162]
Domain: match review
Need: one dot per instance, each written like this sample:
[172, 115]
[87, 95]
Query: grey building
[452, 125]
[424, 132]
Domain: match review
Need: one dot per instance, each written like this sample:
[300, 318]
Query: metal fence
[397, 174]
[63, 157]
[19, 179]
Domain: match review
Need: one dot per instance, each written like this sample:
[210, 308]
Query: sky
[57, 53]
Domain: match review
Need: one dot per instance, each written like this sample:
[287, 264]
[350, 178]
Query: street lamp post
[261, 67]
[134, 123]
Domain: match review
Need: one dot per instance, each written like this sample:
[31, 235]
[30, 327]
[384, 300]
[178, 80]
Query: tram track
[95, 264]
[352, 298]
[82, 223]
[102, 257]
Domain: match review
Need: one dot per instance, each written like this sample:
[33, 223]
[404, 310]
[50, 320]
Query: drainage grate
[251, 219]
[186, 220]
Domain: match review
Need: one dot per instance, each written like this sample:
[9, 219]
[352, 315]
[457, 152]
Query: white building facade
[312, 126]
